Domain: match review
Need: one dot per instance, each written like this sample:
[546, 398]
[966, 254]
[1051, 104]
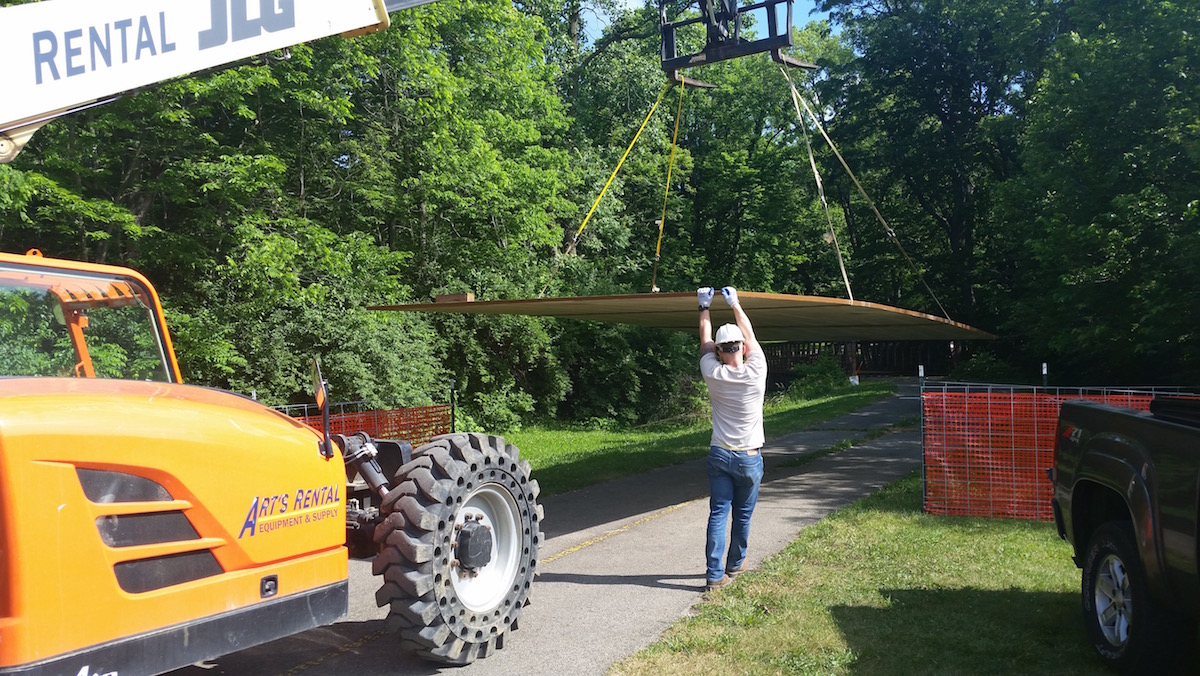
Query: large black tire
[1129, 629]
[444, 609]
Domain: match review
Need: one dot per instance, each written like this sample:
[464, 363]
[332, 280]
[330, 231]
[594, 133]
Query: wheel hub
[473, 546]
[491, 527]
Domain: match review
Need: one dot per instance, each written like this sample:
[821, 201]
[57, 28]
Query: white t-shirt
[737, 396]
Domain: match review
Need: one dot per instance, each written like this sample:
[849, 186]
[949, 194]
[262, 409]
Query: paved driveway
[621, 562]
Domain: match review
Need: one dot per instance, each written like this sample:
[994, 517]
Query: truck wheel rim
[1113, 604]
[485, 587]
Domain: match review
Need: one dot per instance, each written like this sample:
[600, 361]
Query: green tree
[246, 194]
[1106, 276]
[926, 99]
[454, 157]
[756, 219]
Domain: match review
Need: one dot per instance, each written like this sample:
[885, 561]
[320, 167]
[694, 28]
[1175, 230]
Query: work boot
[733, 572]
[713, 584]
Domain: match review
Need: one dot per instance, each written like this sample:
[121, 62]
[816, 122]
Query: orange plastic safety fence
[416, 425]
[986, 451]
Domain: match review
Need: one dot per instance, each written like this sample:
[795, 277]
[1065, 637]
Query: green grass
[567, 459]
[876, 588]
[880, 587]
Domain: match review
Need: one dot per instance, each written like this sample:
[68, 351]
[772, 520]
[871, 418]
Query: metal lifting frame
[723, 37]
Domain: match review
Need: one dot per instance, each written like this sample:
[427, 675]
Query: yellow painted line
[601, 538]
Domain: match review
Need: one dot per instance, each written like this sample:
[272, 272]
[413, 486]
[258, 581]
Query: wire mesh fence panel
[416, 425]
[986, 447]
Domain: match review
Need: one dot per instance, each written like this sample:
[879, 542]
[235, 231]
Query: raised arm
[705, 295]
[741, 318]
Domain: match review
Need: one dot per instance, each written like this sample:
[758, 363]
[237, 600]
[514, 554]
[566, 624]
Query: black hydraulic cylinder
[360, 453]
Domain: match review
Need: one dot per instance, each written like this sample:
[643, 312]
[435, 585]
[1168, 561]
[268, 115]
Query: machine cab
[85, 321]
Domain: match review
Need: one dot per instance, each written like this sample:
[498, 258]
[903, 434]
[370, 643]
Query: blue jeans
[733, 480]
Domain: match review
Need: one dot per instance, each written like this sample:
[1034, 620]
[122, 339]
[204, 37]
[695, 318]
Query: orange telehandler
[136, 536]
[138, 530]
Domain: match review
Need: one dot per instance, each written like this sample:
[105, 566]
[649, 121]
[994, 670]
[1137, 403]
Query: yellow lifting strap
[653, 108]
[812, 162]
[797, 101]
[575, 239]
[666, 191]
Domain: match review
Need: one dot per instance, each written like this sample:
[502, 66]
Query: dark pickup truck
[1127, 498]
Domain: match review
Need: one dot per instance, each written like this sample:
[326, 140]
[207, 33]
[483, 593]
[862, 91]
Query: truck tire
[458, 547]
[1130, 629]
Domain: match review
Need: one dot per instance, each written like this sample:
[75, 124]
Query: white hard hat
[729, 333]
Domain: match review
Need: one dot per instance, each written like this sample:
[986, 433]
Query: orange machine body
[148, 525]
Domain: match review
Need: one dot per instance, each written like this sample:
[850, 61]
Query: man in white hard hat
[735, 370]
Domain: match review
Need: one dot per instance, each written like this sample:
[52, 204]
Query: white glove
[730, 294]
[705, 295]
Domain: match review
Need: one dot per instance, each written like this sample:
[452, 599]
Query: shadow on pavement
[693, 582]
[360, 648]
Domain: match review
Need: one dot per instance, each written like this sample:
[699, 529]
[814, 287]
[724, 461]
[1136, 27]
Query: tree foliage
[927, 102]
[1037, 160]
[1106, 202]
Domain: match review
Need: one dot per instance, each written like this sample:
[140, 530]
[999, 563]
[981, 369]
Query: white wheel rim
[1113, 605]
[483, 589]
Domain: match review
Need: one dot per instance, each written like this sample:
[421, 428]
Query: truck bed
[1180, 410]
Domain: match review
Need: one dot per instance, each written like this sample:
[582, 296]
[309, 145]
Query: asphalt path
[621, 561]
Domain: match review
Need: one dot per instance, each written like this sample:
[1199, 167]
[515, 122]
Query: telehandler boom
[62, 56]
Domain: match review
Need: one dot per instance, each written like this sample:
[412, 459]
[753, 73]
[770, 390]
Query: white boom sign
[62, 55]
